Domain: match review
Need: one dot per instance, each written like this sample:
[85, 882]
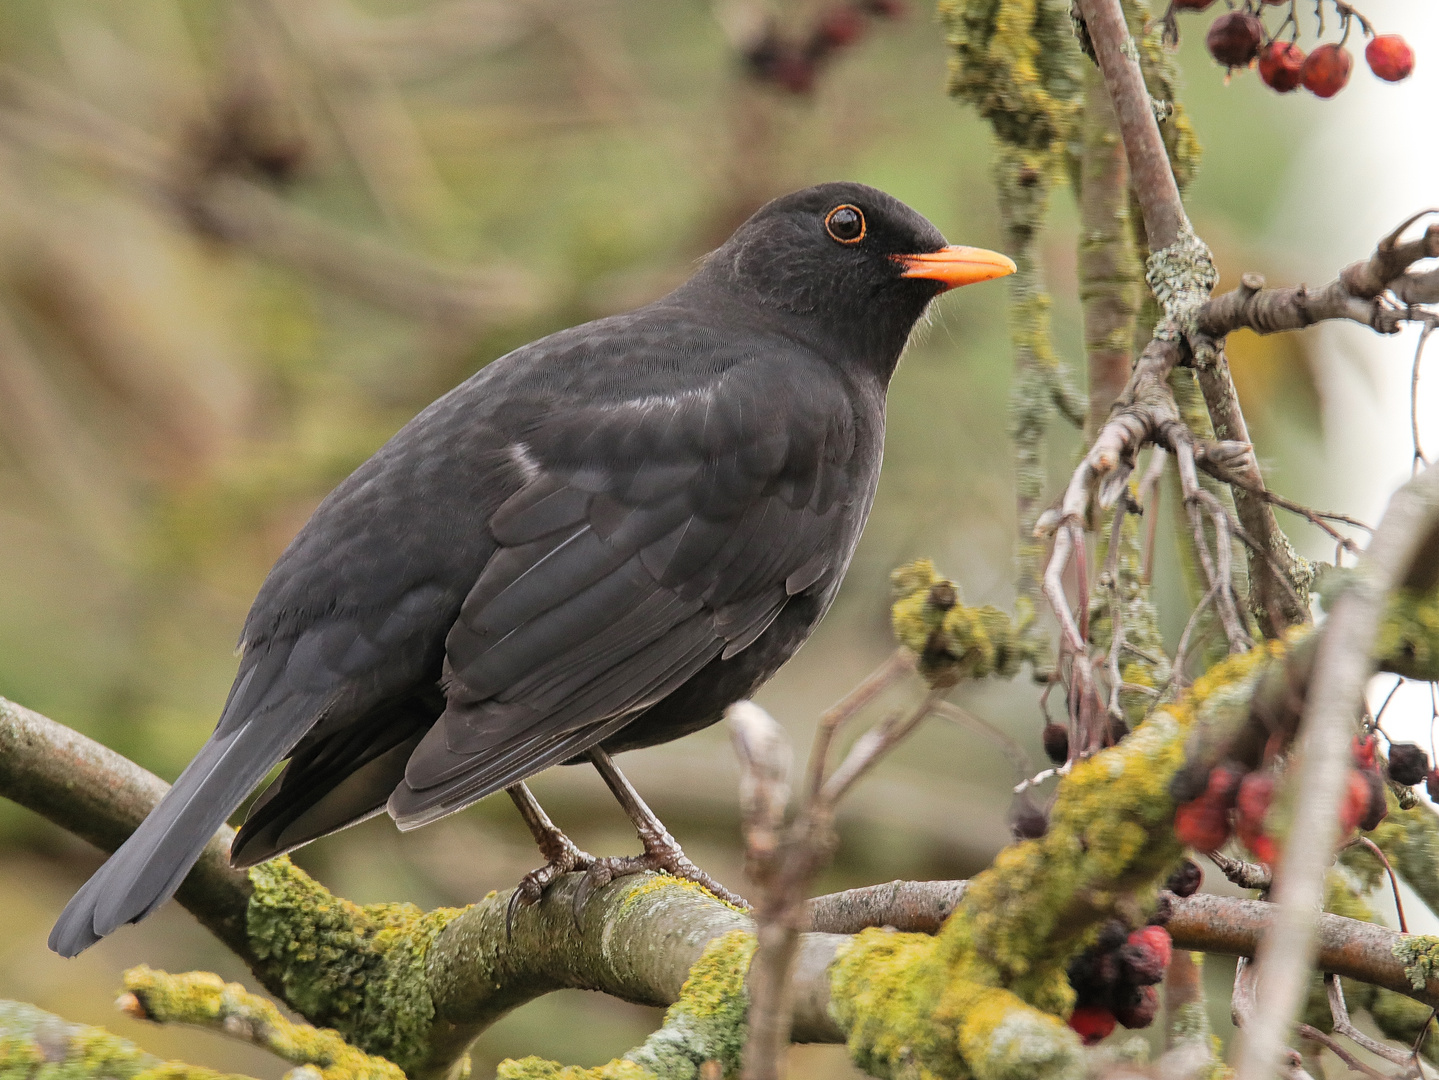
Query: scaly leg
[560, 852]
[662, 851]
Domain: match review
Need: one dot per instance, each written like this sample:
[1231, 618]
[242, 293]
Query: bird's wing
[652, 536]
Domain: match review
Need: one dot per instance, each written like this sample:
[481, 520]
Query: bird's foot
[661, 854]
[563, 857]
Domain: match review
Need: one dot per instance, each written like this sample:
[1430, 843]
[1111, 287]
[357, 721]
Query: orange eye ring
[845, 224]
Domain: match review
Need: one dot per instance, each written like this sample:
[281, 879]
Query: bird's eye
[845, 223]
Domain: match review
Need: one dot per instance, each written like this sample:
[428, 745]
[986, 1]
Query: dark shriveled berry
[1390, 57]
[1431, 784]
[1056, 743]
[1378, 808]
[1027, 821]
[1186, 880]
[1280, 65]
[1138, 1008]
[1191, 5]
[1234, 39]
[1408, 764]
[1326, 71]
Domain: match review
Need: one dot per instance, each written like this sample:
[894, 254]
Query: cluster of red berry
[1238, 38]
[1235, 801]
[793, 63]
[1114, 979]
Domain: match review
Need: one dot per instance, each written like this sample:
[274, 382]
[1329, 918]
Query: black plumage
[596, 543]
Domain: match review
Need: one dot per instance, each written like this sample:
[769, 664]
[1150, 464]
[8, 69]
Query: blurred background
[242, 243]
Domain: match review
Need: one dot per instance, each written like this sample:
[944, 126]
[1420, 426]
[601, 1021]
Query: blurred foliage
[241, 243]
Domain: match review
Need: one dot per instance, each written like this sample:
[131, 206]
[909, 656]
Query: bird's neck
[855, 342]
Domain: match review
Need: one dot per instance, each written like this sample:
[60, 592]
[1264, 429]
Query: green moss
[203, 998]
[360, 970]
[952, 641]
[706, 1024]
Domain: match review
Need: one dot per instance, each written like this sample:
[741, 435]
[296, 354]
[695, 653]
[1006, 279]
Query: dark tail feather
[336, 780]
[151, 864]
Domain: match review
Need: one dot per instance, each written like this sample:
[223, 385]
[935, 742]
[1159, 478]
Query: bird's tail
[151, 864]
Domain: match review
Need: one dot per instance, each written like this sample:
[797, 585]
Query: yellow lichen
[360, 970]
[706, 1024]
[34, 1045]
[984, 998]
[1409, 634]
[950, 640]
[203, 998]
[651, 883]
[1419, 953]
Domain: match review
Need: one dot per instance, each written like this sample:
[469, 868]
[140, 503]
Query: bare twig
[783, 861]
[1375, 850]
[1339, 1051]
[1011, 749]
[900, 662]
[1343, 1026]
[1244, 874]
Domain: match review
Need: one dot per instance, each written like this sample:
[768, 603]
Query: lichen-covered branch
[101, 797]
[1017, 63]
[986, 995]
[203, 999]
[1108, 270]
[35, 1043]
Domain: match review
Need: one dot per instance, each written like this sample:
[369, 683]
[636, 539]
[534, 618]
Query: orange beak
[956, 265]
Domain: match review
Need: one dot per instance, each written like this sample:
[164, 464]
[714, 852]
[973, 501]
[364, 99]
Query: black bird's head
[846, 266]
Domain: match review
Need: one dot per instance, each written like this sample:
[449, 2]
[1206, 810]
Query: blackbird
[596, 543]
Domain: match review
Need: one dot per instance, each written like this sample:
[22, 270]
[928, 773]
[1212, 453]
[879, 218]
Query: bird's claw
[532, 887]
[661, 858]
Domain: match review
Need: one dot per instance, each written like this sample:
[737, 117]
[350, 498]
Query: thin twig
[1343, 1026]
[881, 679]
[1012, 750]
[1375, 850]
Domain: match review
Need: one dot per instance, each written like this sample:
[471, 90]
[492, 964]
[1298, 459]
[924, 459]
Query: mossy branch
[205, 1000]
[35, 1045]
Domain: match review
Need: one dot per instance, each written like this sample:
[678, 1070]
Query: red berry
[1325, 73]
[1157, 940]
[1356, 802]
[1138, 1008]
[1390, 57]
[1092, 1022]
[1234, 39]
[1202, 824]
[1363, 747]
[841, 26]
[1377, 808]
[1255, 793]
[1191, 5]
[1280, 64]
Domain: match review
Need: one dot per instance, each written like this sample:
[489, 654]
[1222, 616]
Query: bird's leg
[560, 852]
[662, 851]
